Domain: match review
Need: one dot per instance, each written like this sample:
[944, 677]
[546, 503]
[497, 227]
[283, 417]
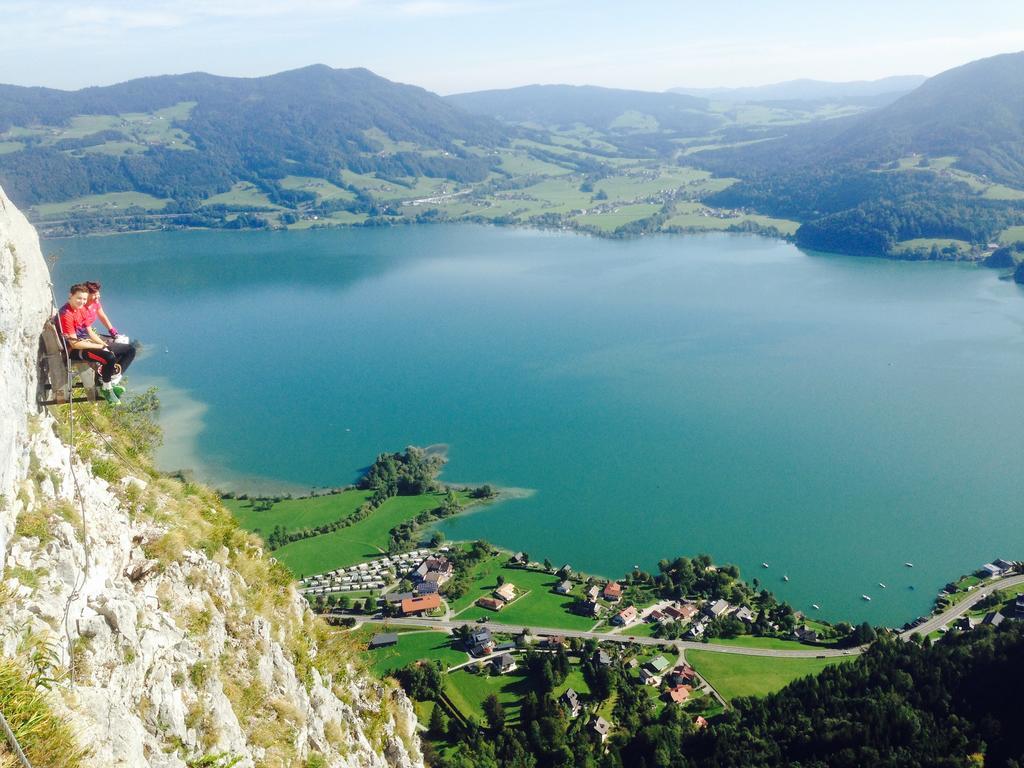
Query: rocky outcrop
[170, 635]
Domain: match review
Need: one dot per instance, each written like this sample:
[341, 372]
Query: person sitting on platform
[83, 343]
[93, 309]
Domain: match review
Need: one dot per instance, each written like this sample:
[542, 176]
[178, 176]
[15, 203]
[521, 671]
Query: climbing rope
[83, 576]
[13, 741]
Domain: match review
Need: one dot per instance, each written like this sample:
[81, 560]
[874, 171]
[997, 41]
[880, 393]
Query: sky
[452, 46]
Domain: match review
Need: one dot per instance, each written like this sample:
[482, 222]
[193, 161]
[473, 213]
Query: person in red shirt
[83, 343]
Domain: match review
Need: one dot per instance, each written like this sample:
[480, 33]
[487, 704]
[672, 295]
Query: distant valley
[895, 168]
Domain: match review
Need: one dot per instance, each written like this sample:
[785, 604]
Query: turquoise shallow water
[833, 417]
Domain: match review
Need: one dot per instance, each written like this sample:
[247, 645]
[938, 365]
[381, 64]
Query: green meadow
[365, 540]
[109, 203]
[413, 646]
[538, 605]
[733, 675]
[295, 514]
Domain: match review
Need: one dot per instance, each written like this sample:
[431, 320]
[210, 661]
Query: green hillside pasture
[1002, 192]
[413, 646]
[540, 607]
[644, 183]
[521, 164]
[632, 120]
[927, 242]
[109, 203]
[1012, 235]
[322, 188]
[295, 514]
[365, 540]
[468, 690]
[388, 144]
[612, 220]
[462, 207]
[690, 216]
[242, 195]
[733, 675]
[557, 196]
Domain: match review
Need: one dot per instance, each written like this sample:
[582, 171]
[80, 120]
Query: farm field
[772, 643]
[1012, 235]
[243, 194]
[541, 607]
[468, 691]
[364, 540]
[295, 514]
[322, 188]
[109, 203]
[733, 676]
[413, 646]
[612, 220]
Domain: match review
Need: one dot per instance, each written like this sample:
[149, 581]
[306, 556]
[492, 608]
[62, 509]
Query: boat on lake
[881, 585]
[764, 565]
[785, 578]
[815, 606]
[865, 597]
[909, 565]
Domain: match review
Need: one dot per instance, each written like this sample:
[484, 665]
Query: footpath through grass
[733, 675]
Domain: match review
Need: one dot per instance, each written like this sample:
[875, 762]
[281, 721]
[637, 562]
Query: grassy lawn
[413, 646]
[468, 691]
[365, 540]
[733, 675]
[111, 202]
[242, 194]
[928, 242]
[295, 514]
[575, 681]
[694, 216]
[1012, 235]
[322, 188]
[541, 607]
[617, 217]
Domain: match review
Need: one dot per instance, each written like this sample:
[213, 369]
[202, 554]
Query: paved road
[625, 637]
[962, 607]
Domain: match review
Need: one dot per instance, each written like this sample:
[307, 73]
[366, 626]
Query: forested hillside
[944, 161]
[215, 131]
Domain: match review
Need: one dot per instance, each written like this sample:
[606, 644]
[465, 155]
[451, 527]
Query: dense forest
[954, 703]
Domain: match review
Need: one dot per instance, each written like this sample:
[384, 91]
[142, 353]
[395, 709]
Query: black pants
[108, 358]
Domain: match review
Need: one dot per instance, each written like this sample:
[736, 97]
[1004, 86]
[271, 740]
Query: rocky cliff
[159, 631]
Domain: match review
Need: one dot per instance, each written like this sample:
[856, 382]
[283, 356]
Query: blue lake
[831, 416]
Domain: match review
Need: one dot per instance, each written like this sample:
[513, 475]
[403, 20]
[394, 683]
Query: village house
[625, 617]
[1018, 608]
[679, 694]
[990, 570]
[594, 592]
[565, 571]
[683, 674]
[647, 677]
[564, 587]
[612, 591]
[716, 609]
[805, 635]
[602, 658]
[417, 605]
[697, 630]
[601, 727]
[480, 642]
[572, 701]
[964, 624]
[426, 588]
[994, 618]
[699, 722]
[383, 640]
[519, 558]
[552, 643]
[658, 664]
[396, 598]
[1006, 565]
[655, 617]
[504, 664]
[745, 615]
[491, 603]
[588, 608]
[683, 612]
[506, 592]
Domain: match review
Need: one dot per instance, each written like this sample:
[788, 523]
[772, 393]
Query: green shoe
[118, 390]
[110, 396]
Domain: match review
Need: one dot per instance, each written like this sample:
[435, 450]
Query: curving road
[940, 620]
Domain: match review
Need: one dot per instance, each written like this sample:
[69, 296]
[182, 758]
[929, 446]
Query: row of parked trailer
[375, 574]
